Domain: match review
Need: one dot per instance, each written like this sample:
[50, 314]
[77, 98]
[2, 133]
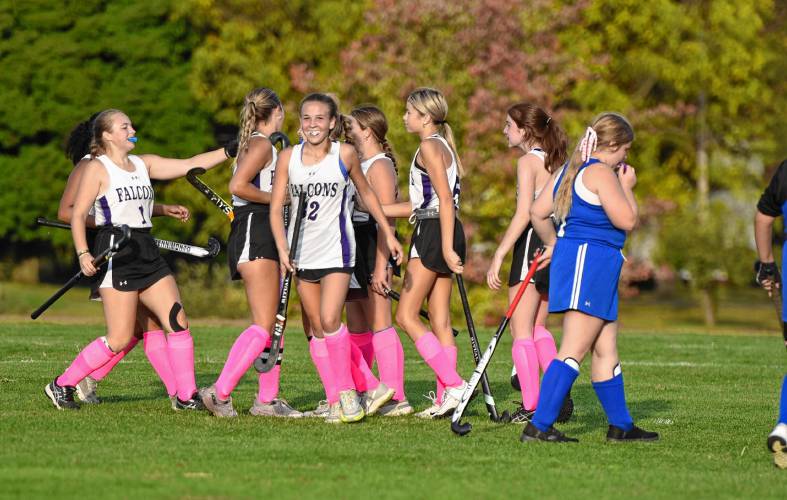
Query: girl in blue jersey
[593, 203]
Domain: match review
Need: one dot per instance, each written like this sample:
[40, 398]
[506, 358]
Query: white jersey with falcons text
[264, 178]
[327, 239]
[360, 215]
[129, 197]
[422, 194]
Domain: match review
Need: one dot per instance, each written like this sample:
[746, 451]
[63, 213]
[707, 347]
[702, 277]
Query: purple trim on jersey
[256, 181]
[343, 230]
[426, 184]
[343, 168]
[105, 210]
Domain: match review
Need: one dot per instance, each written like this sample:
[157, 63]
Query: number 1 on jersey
[142, 213]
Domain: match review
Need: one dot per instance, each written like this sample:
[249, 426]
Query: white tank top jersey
[422, 194]
[327, 239]
[92, 210]
[542, 156]
[264, 178]
[129, 197]
[359, 215]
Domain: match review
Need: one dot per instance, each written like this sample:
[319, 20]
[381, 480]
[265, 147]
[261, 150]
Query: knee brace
[617, 370]
[572, 363]
[173, 318]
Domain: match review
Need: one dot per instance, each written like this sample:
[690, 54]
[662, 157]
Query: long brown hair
[370, 117]
[542, 128]
[431, 102]
[607, 130]
[102, 123]
[258, 106]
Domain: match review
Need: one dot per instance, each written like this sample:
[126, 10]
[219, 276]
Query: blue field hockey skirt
[584, 277]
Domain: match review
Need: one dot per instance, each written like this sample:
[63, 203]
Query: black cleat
[566, 410]
[515, 380]
[521, 416]
[195, 403]
[617, 434]
[531, 433]
[61, 397]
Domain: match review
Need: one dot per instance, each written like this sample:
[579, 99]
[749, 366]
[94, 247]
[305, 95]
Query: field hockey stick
[280, 137]
[208, 252]
[480, 370]
[776, 297]
[265, 365]
[210, 194]
[425, 315]
[98, 261]
[488, 399]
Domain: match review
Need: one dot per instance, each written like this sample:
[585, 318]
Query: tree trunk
[708, 306]
[703, 183]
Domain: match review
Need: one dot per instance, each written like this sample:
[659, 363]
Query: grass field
[713, 398]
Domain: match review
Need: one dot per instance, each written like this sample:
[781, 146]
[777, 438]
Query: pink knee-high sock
[437, 359]
[155, 345]
[526, 361]
[338, 344]
[180, 350]
[545, 346]
[319, 352]
[364, 341]
[244, 351]
[104, 370]
[387, 349]
[363, 378]
[450, 352]
[269, 381]
[95, 355]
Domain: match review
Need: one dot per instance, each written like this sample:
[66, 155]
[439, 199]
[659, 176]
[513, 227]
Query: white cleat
[429, 412]
[451, 399]
[777, 443]
[86, 391]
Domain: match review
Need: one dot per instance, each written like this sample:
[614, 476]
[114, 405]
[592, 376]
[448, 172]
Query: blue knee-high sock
[555, 384]
[613, 399]
[783, 405]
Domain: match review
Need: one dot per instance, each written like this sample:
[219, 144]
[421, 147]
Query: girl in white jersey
[147, 328]
[253, 257]
[325, 255]
[118, 186]
[369, 316]
[438, 244]
[536, 134]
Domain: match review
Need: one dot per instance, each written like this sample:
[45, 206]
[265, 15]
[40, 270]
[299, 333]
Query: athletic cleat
[372, 401]
[428, 413]
[351, 410]
[395, 408]
[777, 443]
[618, 435]
[521, 415]
[552, 435]
[195, 403]
[334, 414]
[323, 407]
[218, 407]
[61, 396]
[566, 410]
[515, 379]
[451, 399]
[86, 390]
[276, 408]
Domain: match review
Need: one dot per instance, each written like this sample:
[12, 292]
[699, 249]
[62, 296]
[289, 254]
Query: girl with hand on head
[253, 258]
[543, 144]
[593, 202]
[369, 317]
[438, 244]
[117, 185]
[146, 328]
[321, 169]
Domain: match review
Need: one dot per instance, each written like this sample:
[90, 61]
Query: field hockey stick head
[195, 171]
[461, 429]
[214, 247]
[280, 137]
[503, 418]
[125, 235]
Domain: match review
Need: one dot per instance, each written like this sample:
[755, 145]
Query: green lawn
[713, 398]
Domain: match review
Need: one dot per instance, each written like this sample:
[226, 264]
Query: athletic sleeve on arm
[775, 194]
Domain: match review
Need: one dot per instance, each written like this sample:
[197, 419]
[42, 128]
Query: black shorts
[427, 245]
[365, 260]
[250, 237]
[136, 266]
[315, 275]
[524, 250]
